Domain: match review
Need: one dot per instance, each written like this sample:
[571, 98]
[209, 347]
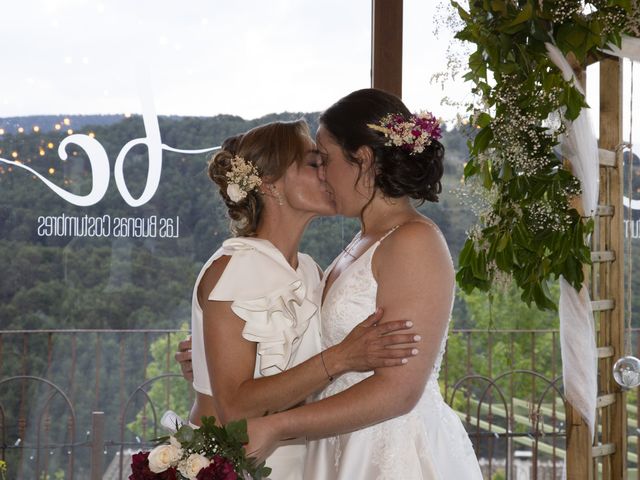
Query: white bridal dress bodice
[427, 443]
[280, 308]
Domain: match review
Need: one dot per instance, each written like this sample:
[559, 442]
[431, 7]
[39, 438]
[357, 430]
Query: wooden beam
[578, 456]
[579, 459]
[614, 417]
[386, 46]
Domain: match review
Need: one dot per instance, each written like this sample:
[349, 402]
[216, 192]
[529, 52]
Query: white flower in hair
[243, 177]
[235, 193]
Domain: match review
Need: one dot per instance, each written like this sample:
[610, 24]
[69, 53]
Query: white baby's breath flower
[191, 466]
[164, 456]
[235, 193]
[243, 177]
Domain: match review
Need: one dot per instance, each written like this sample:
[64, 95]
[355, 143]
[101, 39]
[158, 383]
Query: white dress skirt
[429, 442]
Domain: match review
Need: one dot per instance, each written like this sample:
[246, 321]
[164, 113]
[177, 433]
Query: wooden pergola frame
[386, 45]
[608, 454]
[609, 451]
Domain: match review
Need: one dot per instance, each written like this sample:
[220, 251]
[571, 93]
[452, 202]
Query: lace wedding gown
[427, 443]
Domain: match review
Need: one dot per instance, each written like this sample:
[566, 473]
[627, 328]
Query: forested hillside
[134, 276]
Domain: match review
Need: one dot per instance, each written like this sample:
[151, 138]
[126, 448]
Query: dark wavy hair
[396, 173]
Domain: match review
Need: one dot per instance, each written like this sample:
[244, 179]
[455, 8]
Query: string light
[57, 126]
[52, 170]
[50, 145]
[14, 154]
[66, 121]
[92, 135]
[127, 115]
[1, 131]
[36, 128]
[42, 152]
[70, 132]
[20, 130]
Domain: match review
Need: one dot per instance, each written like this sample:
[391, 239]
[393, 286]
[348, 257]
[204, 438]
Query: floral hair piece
[413, 134]
[243, 177]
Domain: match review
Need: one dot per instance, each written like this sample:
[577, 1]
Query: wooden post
[97, 445]
[386, 46]
[606, 460]
[579, 462]
[614, 417]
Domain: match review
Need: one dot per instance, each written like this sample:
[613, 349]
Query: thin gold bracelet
[325, 367]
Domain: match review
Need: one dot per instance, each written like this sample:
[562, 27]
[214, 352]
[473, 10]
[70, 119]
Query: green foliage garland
[530, 230]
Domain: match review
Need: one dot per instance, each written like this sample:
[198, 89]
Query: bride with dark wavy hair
[392, 422]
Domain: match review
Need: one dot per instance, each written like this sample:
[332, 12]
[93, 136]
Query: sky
[204, 57]
[207, 57]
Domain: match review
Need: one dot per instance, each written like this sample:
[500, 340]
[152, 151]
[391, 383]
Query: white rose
[163, 456]
[235, 193]
[174, 441]
[191, 466]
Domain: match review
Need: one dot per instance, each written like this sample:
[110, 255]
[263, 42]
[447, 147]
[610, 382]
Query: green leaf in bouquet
[184, 434]
[237, 431]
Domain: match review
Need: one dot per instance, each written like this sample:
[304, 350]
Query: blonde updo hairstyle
[271, 148]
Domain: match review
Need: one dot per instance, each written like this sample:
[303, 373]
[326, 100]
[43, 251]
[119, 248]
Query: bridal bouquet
[210, 452]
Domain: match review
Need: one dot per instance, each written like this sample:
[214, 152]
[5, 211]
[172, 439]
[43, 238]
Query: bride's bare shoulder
[417, 236]
[418, 247]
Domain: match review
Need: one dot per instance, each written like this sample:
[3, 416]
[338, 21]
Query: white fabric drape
[577, 336]
[630, 49]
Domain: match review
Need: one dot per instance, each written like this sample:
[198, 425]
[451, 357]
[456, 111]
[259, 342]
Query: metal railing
[76, 403]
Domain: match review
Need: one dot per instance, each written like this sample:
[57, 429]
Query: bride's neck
[382, 214]
[284, 232]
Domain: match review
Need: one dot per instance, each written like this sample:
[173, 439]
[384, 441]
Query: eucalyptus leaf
[523, 16]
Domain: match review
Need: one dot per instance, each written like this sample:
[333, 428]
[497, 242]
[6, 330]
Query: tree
[169, 393]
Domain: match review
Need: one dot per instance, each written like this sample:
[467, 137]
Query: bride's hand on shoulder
[263, 437]
[372, 345]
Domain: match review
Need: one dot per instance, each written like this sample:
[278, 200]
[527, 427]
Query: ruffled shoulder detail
[270, 296]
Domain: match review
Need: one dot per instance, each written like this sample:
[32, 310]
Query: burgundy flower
[169, 474]
[140, 469]
[219, 469]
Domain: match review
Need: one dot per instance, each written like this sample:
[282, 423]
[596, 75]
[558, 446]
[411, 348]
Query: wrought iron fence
[77, 403]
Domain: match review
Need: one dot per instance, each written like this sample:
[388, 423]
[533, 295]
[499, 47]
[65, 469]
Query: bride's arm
[415, 280]
[231, 359]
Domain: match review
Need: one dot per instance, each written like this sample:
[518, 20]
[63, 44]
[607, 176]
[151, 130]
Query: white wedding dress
[280, 308]
[427, 443]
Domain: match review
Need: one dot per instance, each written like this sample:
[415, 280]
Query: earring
[274, 191]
